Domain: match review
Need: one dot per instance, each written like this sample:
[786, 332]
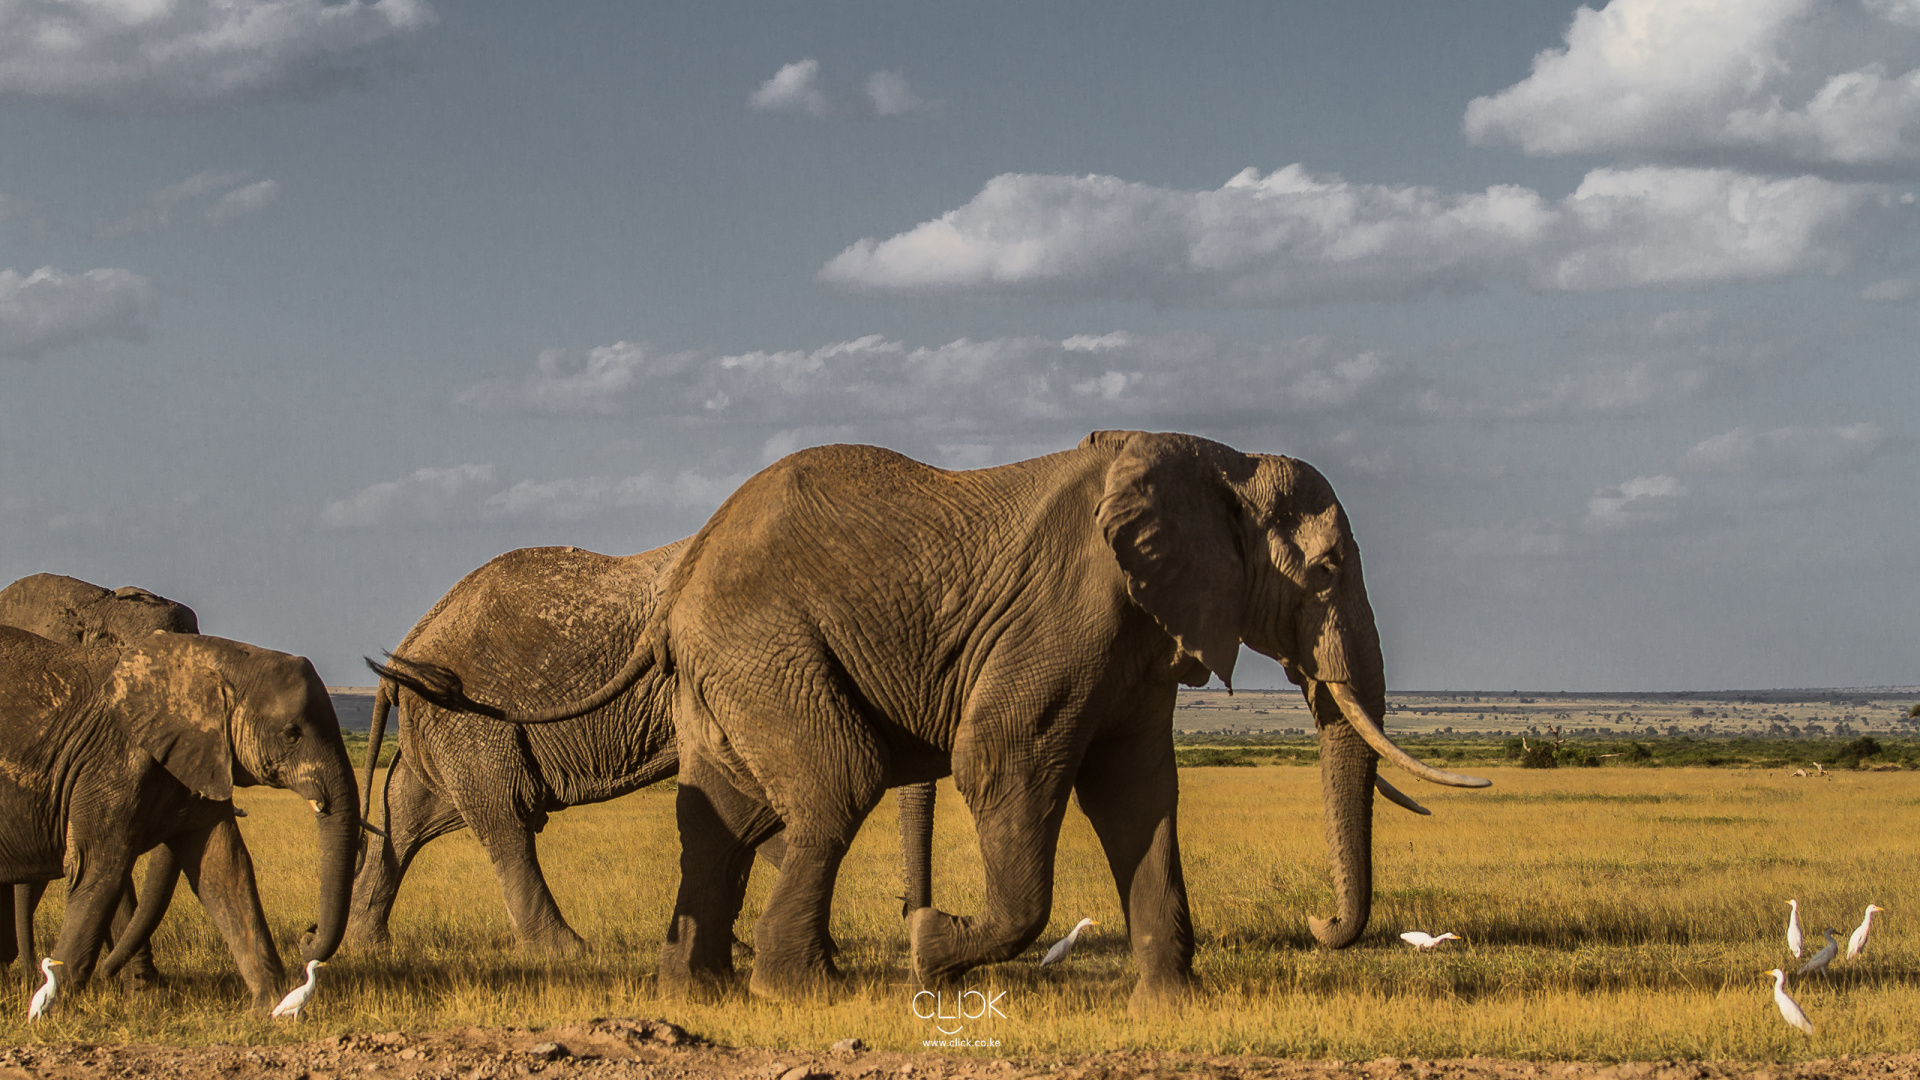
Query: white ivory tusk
[1397, 797]
[1356, 715]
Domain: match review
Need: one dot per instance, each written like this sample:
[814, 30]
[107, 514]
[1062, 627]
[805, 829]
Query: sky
[1600, 320]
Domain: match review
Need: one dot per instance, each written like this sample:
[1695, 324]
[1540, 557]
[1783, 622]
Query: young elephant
[533, 627]
[106, 753]
[76, 612]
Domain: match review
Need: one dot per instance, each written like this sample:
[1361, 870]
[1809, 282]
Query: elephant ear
[176, 703]
[1175, 525]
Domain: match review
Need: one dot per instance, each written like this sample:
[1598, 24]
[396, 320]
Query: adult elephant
[851, 619]
[532, 628]
[67, 609]
[106, 753]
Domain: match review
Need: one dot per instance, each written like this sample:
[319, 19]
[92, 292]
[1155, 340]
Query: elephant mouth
[1369, 729]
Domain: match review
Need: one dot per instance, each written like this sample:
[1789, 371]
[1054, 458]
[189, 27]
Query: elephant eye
[291, 733]
[1321, 576]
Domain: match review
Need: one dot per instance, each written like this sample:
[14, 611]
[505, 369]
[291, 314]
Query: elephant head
[220, 714]
[1222, 548]
[76, 612]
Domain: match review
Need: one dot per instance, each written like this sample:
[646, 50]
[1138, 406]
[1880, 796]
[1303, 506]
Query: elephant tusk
[382, 833]
[1356, 715]
[1399, 798]
[315, 803]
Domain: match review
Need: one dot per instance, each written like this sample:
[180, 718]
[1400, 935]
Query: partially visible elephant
[530, 628]
[852, 620]
[106, 753]
[76, 612]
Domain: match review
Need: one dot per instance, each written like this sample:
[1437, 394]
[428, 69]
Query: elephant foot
[563, 944]
[934, 937]
[367, 939]
[140, 974]
[795, 983]
[1161, 996]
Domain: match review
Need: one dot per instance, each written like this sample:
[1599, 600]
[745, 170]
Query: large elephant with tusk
[852, 620]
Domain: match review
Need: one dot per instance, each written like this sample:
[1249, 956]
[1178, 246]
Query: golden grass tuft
[1609, 914]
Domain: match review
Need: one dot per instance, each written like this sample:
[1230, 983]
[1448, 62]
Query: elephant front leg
[1018, 837]
[139, 972]
[93, 892]
[220, 872]
[1129, 791]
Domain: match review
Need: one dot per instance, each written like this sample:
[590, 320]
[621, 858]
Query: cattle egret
[1793, 929]
[298, 997]
[1422, 941]
[43, 997]
[1857, 944]
[1789, 1008]
[1065, 945]
[1822, 958]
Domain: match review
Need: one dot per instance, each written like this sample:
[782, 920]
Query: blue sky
[1600, 320]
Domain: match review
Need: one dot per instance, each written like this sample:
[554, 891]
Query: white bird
[1422, 941]
[43, 998]
[1789, 1009]
[1065, 945]
[298, 997]
[1857, 944]
[1794, 938]
[1822, 958]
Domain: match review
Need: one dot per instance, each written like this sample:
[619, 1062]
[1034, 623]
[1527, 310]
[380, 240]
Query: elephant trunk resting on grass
[531, 628]
[852, 620]
[75, 612]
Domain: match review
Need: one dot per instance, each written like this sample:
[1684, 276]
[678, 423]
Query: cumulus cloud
[1643, 500]
[222, 198]
[48, 309]
[1788, 451]
[426, 494]
[794, 88]
[143, 55]
[995, 384]
[889, 95]
[1290, 237]
[469, 492]
[1782, 84]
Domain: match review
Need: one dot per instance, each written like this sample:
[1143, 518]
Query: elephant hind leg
[139, 972]
[719, 829]
[417, 814]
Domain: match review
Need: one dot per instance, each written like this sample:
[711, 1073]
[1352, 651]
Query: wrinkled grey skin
[106, 753]
[533, 627]
[852, 620]
[75, 612]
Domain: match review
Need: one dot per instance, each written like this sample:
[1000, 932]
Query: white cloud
[242, 202]
[48, 309]
[1290, 237]
[169, 54]
[235, 199]
[794, 88]
[1788, 451]
[1781, 84]
[426, 494]
[889, 95]
[1640, 501]
[996, 384]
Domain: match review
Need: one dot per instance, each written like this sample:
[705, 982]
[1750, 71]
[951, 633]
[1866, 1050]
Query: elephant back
[76, 612]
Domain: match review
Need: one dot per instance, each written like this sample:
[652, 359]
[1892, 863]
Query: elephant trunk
[339, 832]
[1347, 774]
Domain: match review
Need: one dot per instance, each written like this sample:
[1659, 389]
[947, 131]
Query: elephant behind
[75, 612]
[106, 753]
[530, 628]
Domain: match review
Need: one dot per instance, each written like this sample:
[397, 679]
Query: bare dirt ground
[618, 1049]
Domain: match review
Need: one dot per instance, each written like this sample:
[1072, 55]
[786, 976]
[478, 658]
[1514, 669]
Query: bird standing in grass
[43, 998]
[1065, 945]
[1822, 958]
[1789, 1009]
[1857, 944]
[1794, 938]
[1422, 941]
[298, 997]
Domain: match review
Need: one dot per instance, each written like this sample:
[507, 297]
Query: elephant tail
[163, 872]
[441, 686]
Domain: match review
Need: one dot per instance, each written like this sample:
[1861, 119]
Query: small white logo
[951, 1011]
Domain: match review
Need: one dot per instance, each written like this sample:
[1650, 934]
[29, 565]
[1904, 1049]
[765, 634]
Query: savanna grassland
[1609, 913]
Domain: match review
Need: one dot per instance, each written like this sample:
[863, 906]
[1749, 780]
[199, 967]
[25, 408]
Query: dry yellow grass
[1608, 914]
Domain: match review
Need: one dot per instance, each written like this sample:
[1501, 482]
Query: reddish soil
[621, 1049]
